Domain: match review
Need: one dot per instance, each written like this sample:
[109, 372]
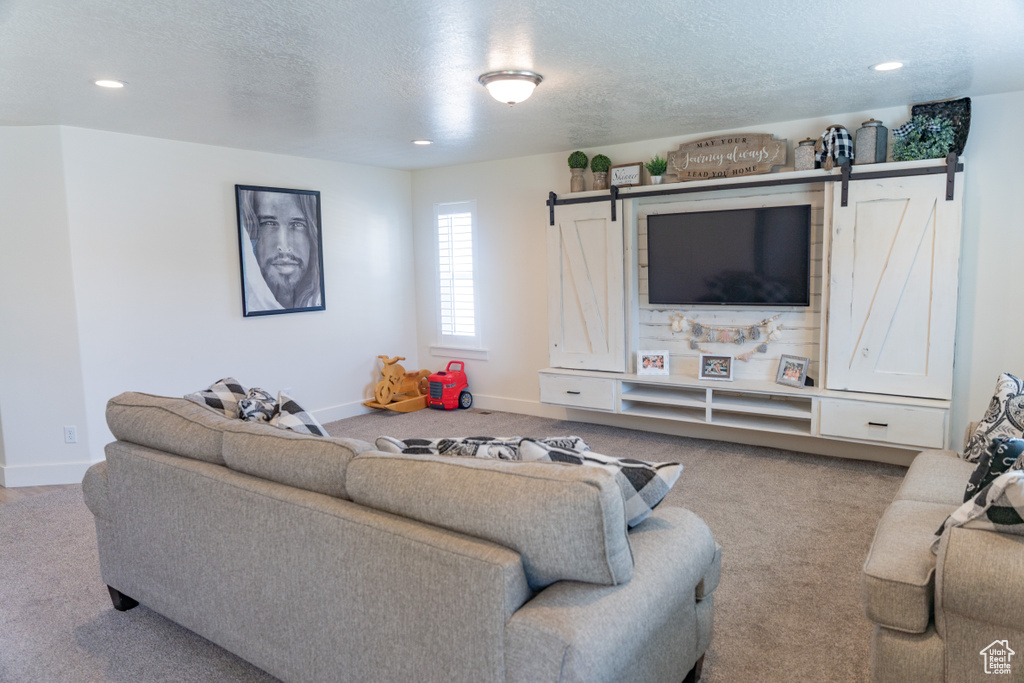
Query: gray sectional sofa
[320, 559]
[934, 614]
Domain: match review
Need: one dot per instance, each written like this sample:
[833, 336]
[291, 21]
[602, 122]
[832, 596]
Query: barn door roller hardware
[951, 168]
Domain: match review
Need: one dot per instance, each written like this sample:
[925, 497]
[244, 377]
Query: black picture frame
[280, 250]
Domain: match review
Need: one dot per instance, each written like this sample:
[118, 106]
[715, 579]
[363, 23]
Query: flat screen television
[740, 257]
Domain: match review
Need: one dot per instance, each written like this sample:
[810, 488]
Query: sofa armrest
[979, 577]
[649, 629]
[94, 490]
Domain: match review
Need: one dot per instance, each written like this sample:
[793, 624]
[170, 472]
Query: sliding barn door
[893, 289]
[585, 289]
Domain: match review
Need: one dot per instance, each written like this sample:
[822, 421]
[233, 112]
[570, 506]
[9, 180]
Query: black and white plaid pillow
[998, 507]
[257, 406]
[1002, 455]
[497, 447]
[222, 396]
[1004, 417]
[643, 484]
[290, 415]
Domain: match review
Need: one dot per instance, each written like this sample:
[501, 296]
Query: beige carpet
[795, 530]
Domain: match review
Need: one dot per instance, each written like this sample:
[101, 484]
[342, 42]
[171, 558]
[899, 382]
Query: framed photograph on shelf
[714, 366]
[281, 249]
[652, 362]
[625, 175]
[792, 370]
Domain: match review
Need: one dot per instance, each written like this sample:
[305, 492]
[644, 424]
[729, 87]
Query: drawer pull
[879, 424]
[572, 392]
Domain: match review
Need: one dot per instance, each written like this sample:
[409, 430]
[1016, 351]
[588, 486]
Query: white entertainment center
[879, 331]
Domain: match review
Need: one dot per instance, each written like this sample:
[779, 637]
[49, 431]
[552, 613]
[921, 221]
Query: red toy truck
[448, 388]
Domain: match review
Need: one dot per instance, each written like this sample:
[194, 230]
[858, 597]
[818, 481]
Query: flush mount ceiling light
[887, 66]
[510, 87]
[422, 142]
[109, 83]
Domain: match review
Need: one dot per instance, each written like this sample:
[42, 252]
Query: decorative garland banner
[762, 333]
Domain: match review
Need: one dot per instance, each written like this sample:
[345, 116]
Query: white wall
[150, 236]
[40, 370]
[510, 198]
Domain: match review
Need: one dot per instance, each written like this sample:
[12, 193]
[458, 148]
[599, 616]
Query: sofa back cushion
[305, 461]
[565, 522]
[174, 425]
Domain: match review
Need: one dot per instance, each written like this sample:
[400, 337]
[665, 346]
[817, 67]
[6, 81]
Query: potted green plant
[577, 165]
[600, 165]
[656, 167]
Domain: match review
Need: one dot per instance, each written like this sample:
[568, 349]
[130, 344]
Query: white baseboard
[12, 476]
[340, 411]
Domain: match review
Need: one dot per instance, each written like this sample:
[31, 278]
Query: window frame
[468, 346]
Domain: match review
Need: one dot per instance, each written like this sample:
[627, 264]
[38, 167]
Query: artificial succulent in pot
[600, 165]
[656, 167]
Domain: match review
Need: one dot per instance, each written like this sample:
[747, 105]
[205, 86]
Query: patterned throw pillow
[290, 415]
[222, 396]
[497, 447]
[998, 507]
[1002, 455]
[643, 484]
[1004, 417]
[257, 406]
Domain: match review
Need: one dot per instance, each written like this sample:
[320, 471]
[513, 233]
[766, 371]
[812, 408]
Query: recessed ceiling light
[109, 83]
[422, 142]
[887, 66]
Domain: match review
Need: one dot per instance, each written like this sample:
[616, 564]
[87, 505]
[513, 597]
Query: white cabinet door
[585, 289]
[893, 287]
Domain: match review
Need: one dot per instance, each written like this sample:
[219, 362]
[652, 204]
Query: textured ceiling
[357, 81]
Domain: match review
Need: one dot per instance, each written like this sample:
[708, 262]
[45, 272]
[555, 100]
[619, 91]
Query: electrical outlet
[70, 434]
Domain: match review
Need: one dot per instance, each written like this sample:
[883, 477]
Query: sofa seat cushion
[305, 461]
[174, 425]
[899, 575]
[565, 522]
[936, 477]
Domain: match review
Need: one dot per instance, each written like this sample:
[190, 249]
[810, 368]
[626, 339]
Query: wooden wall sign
[727, 156]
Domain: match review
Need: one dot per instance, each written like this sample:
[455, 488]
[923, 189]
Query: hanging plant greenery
[577, 160]
[923, 137]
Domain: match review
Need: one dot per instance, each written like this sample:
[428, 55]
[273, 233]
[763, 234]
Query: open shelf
[665, 395]
[663, 412]
[763, 423]
[762, 404]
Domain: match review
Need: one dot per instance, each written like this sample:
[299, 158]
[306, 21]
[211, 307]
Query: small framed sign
[625, 175]
[652, 362]
[792, 370]
[713, 366]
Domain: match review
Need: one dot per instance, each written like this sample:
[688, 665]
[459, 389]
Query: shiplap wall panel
[801, 326]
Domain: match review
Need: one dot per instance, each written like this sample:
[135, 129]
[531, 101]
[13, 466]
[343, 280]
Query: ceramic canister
[871, 144]
[803, 155]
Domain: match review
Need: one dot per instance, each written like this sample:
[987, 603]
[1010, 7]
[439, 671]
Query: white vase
[655, 180]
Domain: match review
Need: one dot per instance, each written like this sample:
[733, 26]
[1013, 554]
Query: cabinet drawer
[895, 424]
[578, 392]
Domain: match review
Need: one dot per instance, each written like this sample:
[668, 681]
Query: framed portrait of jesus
[280, 245]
